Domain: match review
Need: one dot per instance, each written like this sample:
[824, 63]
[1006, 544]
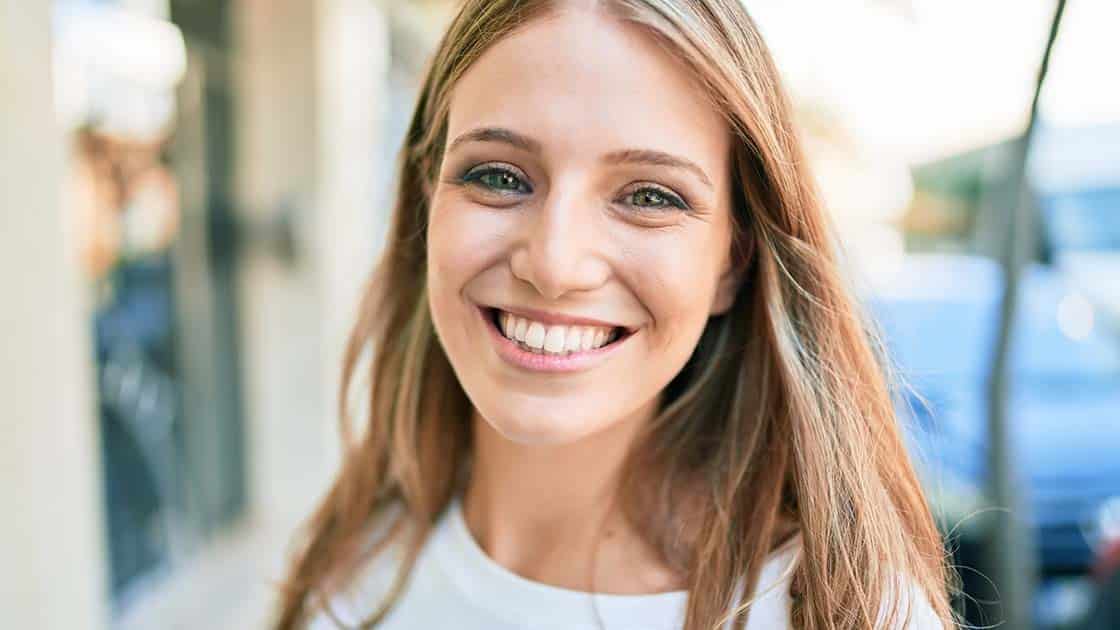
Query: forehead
[585, 83]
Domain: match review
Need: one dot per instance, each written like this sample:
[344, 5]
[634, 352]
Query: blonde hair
[780, 423]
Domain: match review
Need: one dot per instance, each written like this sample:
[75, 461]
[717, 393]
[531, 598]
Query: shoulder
[912, 607]
[349, 607]
[370, 584]
[771, 603]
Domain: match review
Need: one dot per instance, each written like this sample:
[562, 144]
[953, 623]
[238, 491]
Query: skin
[566, 229]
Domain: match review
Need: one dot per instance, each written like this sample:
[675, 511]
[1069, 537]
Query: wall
[51, 537]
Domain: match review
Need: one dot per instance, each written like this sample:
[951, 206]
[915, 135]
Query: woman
[616, 380]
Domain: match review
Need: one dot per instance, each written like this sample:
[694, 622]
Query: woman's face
[580, 232]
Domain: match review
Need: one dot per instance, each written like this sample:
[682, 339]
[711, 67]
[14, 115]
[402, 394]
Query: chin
[529, 426]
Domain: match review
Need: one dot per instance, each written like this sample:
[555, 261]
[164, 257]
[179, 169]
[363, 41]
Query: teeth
[540, 338]
[573, 340]
[587, 339]
[534, 337]
[554, 339]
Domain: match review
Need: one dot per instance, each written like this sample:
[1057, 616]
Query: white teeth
[538, 337]
[554, 338]
[534, 337]
[572, 341]
[587, 339]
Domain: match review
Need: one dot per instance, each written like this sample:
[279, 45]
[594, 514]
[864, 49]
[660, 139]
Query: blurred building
[202, 189]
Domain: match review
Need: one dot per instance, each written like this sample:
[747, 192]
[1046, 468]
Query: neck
[546, 512]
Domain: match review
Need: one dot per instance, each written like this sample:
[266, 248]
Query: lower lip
[513, 354]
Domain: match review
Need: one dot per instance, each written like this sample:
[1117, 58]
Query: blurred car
[939, 315]
[1106, 609]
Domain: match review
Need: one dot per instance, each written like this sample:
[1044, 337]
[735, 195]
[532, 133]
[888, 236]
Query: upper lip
[546, 317]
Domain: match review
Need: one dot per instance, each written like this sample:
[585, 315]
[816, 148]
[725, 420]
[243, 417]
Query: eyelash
[475, 174]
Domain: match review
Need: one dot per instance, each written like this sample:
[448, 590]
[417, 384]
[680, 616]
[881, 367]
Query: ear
[727, 289]
[731, 279]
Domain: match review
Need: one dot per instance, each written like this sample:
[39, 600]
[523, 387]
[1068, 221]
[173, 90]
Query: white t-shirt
[456, 585]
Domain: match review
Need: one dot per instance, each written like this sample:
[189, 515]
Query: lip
[514, 355]
[559, 318]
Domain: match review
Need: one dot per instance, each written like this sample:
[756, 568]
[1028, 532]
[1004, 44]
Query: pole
[1012, 554]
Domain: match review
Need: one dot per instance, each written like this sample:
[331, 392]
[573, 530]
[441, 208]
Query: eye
[655, 197]
[496, 178]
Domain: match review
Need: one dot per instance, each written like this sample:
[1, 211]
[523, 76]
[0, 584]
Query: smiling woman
[617, 381]
[575, 194]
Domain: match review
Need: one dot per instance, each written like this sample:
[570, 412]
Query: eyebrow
[497, 134]
[656, 158]
[625, 156]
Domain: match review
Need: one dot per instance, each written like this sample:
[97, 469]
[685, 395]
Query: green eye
[496, 179]
[649, 197]
[500, 180]
[655, 198]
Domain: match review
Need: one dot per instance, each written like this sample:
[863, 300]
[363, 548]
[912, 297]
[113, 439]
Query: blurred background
[194, 190]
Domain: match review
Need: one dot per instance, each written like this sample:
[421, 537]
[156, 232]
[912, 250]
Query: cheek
[462, 241]
[676, 278]
[450, 263]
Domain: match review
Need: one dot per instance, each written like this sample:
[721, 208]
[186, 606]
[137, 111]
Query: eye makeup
[660, 196]
[502, 179]
[498, 178]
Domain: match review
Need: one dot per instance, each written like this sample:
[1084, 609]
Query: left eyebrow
[656, 158]
[497, 134]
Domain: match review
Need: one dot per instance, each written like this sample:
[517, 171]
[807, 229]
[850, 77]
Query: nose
[559, 250]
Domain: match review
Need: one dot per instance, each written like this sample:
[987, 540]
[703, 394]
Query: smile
[551, 346]
[560, 339]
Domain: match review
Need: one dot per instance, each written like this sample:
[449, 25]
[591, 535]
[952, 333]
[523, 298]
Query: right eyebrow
[497, 134]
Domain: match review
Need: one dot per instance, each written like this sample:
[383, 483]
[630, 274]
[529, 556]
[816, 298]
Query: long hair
[780, 423]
